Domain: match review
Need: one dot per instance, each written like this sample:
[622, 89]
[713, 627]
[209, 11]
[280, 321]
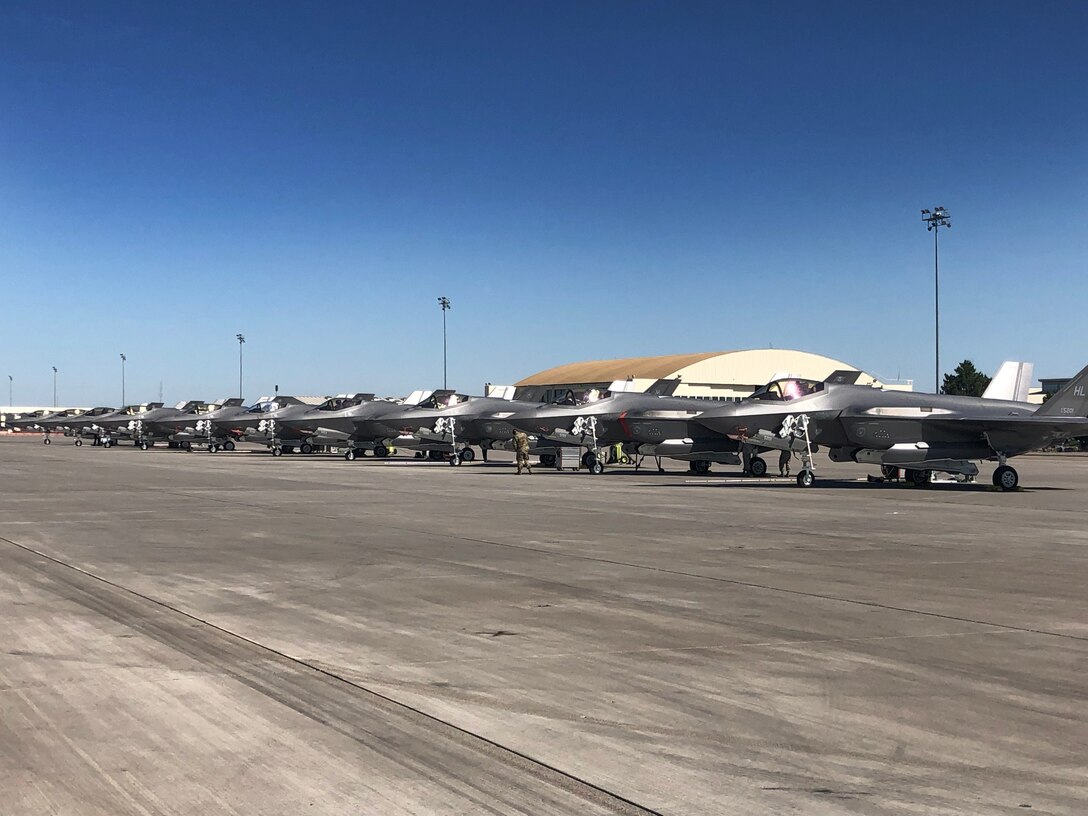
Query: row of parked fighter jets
[909, 435]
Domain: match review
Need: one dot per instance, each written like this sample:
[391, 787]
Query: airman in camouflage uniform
[521, 450]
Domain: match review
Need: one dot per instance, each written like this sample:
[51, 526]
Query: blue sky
[583, 180]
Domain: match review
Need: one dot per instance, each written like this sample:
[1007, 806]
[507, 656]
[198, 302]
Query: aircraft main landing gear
[701, 467]
[757, 467]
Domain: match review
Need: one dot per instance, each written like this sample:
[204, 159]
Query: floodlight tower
[241, 340]
[444, 302]
[935, 219]
[123, 358]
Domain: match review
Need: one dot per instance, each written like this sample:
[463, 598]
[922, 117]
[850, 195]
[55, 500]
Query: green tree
[965, 381]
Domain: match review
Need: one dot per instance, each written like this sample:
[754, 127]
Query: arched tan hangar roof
[718, 374]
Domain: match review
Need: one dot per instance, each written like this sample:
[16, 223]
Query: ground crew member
[784, 462]
[521, 450]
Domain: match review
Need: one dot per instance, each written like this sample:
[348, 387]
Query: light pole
[444, 302]
[11, 380]
[241, 340]
[123, 358]
[54, 386]
[934, 220]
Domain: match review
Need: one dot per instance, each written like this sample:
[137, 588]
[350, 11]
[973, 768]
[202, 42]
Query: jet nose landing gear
[1006, 478]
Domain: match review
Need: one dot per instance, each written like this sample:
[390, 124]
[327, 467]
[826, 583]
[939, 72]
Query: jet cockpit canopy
[443, 399]
[342, 401]
[586, 396]
[787, 389]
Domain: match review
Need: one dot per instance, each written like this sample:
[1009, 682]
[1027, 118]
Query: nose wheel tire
[455, 459]
[806, 478]
[143, 446]
[47, 441]
[349, 455]
[79, 443]
[277, 451]
[757, 467]
[594, 465]
[1006, 478]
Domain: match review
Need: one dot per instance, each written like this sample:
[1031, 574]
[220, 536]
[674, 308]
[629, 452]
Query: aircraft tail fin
[1071, 401]
[1011, 382]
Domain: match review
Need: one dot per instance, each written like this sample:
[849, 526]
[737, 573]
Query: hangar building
[718, 375]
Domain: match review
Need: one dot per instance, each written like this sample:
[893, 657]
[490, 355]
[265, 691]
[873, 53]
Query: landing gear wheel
[306, 448]
[596, 467]
[349, 455]
[700, 467]
[547, 459]
[919, 478]
[455, 459]
[420, 455]
[758, 467]
[79, 443]
[381, 451]
[806, 478]
[468, 454]
[143, 445]
[434, 456]
[106, 443]
[213, 448]
[587, 458]
[889, 471]
[186, 445]
[228, 445]
[47, 441]
[1006, 478]
[277, 451]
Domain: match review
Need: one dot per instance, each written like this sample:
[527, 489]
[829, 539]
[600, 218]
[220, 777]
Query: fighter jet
[47, 422]
[351, 421]
[74, 424]
[263, 423]
[449, 423]
[150, 425]
[107, 429]
[195, 423]
[918, 433]
[647, 424]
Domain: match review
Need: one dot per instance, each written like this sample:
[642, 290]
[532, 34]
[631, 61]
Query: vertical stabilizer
[1011, 382]
[1071, 401]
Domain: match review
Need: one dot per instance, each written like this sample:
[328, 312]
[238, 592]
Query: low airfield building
[713, 375]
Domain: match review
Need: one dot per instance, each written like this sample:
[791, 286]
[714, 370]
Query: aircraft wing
[1016, 433]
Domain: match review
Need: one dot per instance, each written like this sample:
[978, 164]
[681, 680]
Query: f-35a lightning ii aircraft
[647, 424]
[191, 424]
[355, 422]
[266, 422]
[450, 423]
[920, 433]
[74, 424]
